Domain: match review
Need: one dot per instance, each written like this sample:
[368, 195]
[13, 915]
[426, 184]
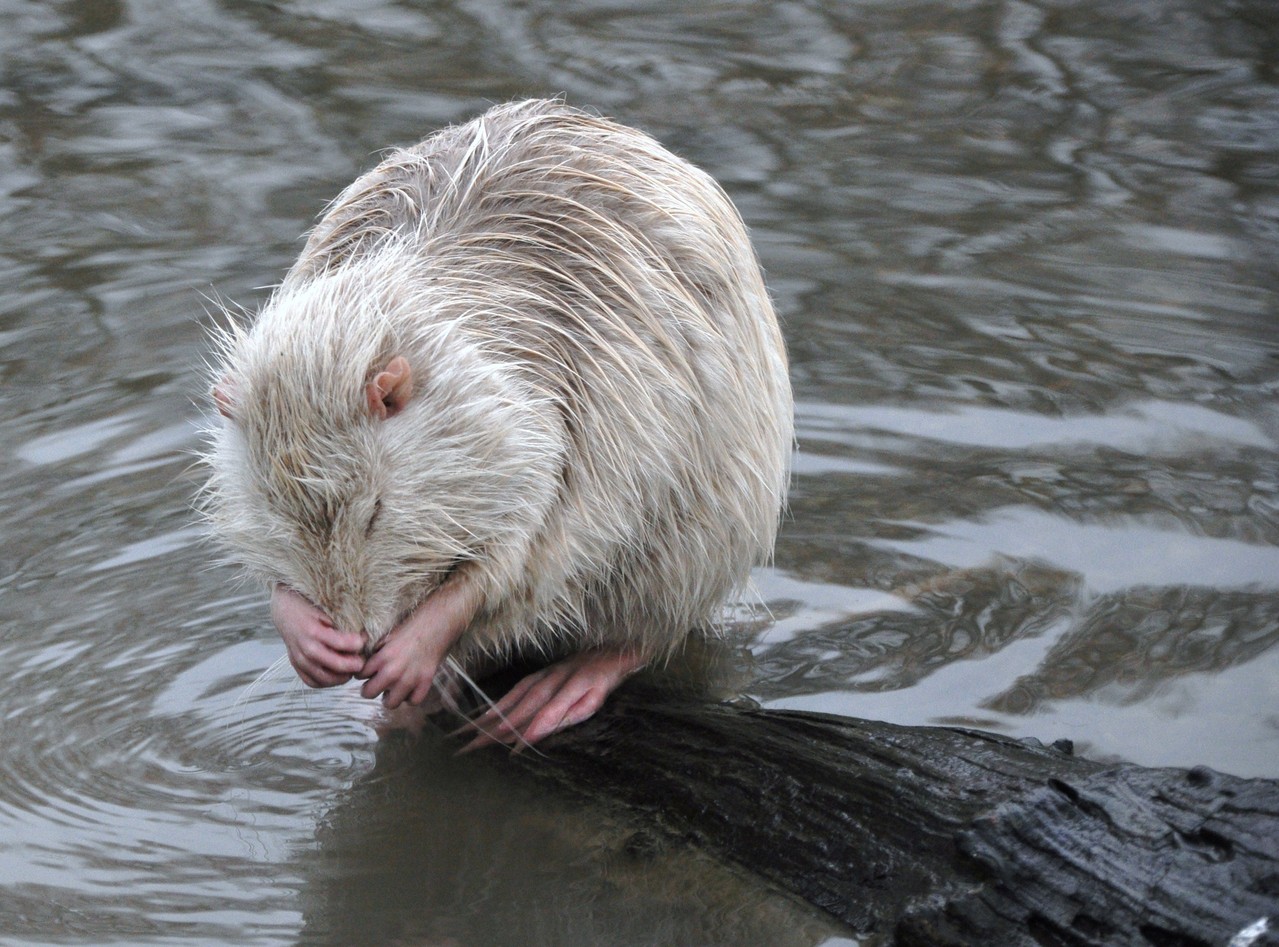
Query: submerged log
[939, 836]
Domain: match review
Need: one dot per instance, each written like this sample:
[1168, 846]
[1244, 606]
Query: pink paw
[552, 699]
[322, 655]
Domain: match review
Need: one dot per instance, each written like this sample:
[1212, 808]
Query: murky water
[1025, 253]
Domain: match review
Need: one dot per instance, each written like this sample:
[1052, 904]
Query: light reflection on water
[1024, 255]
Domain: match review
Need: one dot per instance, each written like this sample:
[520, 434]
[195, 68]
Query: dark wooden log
[931, 835]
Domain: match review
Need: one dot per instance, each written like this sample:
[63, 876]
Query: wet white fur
[601, 417]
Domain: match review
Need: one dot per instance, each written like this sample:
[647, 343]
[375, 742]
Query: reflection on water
[1024, 252]
[428, 835]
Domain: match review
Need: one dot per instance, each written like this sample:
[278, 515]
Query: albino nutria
[523, 390]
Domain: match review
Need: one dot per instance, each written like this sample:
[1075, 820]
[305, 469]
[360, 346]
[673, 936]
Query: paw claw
[550, 700]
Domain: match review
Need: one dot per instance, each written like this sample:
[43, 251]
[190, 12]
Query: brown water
[1026, 257]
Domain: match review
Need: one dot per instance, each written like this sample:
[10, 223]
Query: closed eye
[377, 511]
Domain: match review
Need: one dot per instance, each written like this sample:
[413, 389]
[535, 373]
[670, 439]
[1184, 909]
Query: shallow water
[1025, 254]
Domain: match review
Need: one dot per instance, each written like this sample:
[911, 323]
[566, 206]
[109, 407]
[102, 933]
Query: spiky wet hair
[600, 384]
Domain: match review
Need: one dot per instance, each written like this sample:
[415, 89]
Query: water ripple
[1025, 266]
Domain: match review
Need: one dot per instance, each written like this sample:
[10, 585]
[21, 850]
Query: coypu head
[364, 452]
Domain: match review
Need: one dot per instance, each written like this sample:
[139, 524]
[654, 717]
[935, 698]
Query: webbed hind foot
[553, 699]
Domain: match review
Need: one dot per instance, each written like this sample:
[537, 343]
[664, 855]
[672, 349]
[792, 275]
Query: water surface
[1025, 257]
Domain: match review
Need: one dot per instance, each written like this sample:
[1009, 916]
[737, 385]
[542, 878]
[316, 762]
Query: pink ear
[224, 397]
[390, 389]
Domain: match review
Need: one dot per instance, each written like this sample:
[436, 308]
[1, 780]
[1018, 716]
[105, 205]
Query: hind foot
[553, 699]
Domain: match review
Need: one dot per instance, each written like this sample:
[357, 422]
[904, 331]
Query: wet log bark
[939, 836]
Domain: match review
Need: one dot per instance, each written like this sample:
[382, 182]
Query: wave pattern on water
[1024, 253]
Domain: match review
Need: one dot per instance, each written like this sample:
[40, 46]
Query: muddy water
[1025, 254]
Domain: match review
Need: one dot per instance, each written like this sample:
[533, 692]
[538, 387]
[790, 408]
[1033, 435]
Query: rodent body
[534, 351]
